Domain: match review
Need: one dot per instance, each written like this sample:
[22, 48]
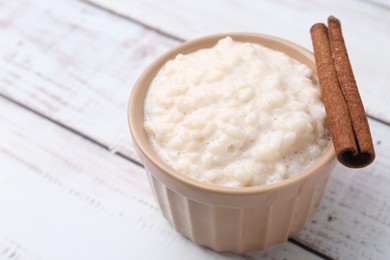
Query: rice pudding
[236, 114]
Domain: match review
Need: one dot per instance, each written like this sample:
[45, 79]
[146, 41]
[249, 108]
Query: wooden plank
[287, 19]
[353, 221]
[55, 63]
[81, 201]
[39, 76]
[75, 64]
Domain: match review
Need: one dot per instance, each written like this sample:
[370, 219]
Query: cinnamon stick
[344, 108]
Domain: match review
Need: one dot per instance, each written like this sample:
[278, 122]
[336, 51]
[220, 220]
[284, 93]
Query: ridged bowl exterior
[225, 218]
[265, 220]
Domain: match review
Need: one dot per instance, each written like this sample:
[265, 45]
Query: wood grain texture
[75, 64]
[353, 221]
[365, 25]
[63, 197]
[13, 250]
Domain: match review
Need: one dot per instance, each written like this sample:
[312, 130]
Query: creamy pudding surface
[236, 114]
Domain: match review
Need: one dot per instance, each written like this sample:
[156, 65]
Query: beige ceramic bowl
[224, 218]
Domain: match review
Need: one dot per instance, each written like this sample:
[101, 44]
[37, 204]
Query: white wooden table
[71, 186]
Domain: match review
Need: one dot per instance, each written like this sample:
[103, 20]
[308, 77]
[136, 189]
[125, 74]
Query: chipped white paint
[353, 221]
[76, 64]
[64, 197]
[365, 25]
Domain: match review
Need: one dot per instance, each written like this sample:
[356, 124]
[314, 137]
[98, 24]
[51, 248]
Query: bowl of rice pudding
[233, 135]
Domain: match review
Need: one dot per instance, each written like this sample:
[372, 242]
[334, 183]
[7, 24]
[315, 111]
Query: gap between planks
[74, 131]
[181, 40]
[133, 20]
[84, 136]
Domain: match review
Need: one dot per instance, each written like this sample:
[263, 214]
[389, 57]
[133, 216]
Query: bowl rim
[144, 146]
